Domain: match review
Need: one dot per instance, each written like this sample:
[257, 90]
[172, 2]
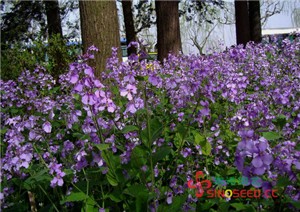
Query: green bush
[54, 56]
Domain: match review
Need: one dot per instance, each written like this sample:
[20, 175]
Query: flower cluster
[142, 129]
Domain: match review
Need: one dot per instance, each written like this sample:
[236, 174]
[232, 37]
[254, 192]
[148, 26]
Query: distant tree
[145, 16]
[198, 22]
[99, 27]
[17, 22]
[129, 24]
[168, 29]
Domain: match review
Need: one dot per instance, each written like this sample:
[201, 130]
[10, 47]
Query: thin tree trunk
[53, 18]
[100, 27]
[255, 21]
[129, 24]
[168, 29]
[242, 22]
[55, 36]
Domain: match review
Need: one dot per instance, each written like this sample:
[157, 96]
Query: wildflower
[47, 127]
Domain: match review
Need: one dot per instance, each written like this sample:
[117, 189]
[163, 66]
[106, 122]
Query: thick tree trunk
[168, 30]
[100, 27]
[129, 24]
[53, 18]
[255, 21]
[242, 22]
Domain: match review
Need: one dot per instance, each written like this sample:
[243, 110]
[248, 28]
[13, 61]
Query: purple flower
[130, 89]
[47, 127]
[262, 159]
[144, 168]
[186, 152]
[153, 80]
[97, 160]
[89, 98]
[131, 108]
[74, 78]
[89, 71]
[169, 197]
[57, 180]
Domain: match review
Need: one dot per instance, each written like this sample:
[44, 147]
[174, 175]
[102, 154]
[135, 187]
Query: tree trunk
[53, 18]
[255, 21]
[242, 22]
[129, 24]
[100, 27]
[55, 39]
[168, 30]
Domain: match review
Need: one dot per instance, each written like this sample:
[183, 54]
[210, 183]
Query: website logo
[200, 185]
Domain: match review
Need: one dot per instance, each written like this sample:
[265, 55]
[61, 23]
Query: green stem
[48, 198]
[103, 205]
[88, 196]
[149, 146]
[43, 161]
[87, 190]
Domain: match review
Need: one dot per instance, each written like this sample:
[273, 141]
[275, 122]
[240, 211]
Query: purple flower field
[131, 139]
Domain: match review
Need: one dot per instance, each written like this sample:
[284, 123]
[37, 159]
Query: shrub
[19, 57]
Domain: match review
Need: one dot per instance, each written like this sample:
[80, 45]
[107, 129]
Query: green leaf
[76, 196]
[129, 128]
[238, 206]
[199, 138]
[224, 207]
[230, 171]
[116, 195]
[204, 206]
[177, 140]
[205, 147]
[139, 78]
[161, 153]
[155, 129]
[295, 203]
[41, 176]
[3, 130]
[53, 90]
[270, 135]
[181, 130]
[141, 202]
[135, 189]
[250, 208]
[85, 137]
[280, 121]
[68, 171]
[91, 206]
[283, 181]
[76, 96]
[177, 202]
[14, 111]
[102, 146]
[111, 179]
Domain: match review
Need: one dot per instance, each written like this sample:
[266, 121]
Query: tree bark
[168, 29]
[100, 27]
[242, 22]
[53, 18]
[129, 24]
[255, 21]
